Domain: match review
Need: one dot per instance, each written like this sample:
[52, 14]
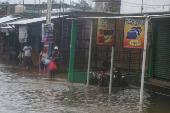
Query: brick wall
[128, 59]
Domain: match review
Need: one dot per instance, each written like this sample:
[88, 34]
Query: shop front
[159, 66]
[5, 31]
[30, 30]
[9, 43]
[128, 59]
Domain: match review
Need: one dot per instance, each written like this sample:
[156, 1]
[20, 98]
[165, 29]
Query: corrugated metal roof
[8, 19]
[104, 0]
[33, 20]
[9, 27]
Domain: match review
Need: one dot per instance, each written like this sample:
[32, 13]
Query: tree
[6, 2]
[53, 1]
[83, 2]
[19, 2]
[43, 3]
[83, 5]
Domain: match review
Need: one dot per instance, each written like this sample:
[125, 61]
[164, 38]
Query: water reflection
[27, 91]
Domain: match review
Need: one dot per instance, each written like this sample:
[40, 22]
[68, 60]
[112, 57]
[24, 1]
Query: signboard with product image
[134, 32]
[47, 33]
[105, 32]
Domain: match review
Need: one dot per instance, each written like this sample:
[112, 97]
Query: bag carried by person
[47, 61]
[58, 61]
[41, 62]
[23, 64]
[41, 54]
[52, 66]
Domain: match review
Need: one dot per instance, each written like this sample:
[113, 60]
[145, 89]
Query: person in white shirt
[27, 49]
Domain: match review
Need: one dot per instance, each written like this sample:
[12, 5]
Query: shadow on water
[27, 91]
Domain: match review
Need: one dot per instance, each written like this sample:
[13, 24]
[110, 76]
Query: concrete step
[160, 82]
[158, 86]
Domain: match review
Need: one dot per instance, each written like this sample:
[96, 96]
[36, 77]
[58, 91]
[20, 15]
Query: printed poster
[105, 32]
[134, 32]
[47, 33]
[22, 34]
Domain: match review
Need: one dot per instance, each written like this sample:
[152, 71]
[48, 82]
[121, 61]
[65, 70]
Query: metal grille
[63, 37]
[129, 60]
[82, 46]
[162, 53]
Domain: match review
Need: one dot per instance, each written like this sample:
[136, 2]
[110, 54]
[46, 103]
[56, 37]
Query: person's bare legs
[26, 65]
[41, 71]
[52, 74]
[45, 72]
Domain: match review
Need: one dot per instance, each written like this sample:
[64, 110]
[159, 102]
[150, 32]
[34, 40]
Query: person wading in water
[56, 57]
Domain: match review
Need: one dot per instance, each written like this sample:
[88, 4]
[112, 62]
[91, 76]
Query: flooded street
[26, 91]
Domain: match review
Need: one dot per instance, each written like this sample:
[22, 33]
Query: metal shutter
[162, 53]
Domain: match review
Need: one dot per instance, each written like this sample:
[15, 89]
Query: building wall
[129, 57]
[130, 60]
[19, 8]
[134, 6]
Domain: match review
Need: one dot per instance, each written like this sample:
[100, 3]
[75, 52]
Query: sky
[32, 1]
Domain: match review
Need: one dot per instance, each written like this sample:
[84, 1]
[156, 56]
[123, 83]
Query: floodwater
[26, 91]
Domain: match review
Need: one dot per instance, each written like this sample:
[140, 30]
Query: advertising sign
[134, 32]
[22, 34]
[105, 32]
[47, 33]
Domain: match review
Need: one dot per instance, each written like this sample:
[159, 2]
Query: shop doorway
[162, 52]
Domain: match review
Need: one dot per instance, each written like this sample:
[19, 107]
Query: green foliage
[43, 3]
[53, 1]
[6, 2]
[83, 5]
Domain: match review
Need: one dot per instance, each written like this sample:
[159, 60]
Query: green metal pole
[39, 38]
[152, 49]
[8, 39]
[28, 34]
[50, 48]
[72, 51]
[14, 45]
[21, 54]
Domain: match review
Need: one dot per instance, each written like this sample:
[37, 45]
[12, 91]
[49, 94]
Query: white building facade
[149, 6]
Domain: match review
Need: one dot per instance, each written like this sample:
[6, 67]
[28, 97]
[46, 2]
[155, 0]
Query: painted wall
[19, 8]
[134, 6]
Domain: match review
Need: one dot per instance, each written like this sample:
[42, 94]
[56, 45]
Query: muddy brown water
[26, 91]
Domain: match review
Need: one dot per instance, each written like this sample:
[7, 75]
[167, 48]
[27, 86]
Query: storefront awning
[8, 19]
[34, 20]
[9, 27]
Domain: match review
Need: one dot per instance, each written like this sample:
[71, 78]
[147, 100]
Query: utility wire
[143, 4]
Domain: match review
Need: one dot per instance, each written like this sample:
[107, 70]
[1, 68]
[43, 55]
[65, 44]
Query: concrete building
[19, 8]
